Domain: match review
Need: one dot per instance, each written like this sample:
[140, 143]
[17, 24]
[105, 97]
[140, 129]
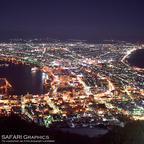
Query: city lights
[85, 83]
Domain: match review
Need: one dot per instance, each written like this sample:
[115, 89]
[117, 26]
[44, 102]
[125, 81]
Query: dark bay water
[22, 79]
[137, 58]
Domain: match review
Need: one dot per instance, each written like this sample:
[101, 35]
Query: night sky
[72, 19]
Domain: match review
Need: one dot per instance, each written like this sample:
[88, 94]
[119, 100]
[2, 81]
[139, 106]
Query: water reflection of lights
[34, 69]
[43, 76]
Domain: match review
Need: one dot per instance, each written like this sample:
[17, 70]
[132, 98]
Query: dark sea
[136, 58]
[22, 79]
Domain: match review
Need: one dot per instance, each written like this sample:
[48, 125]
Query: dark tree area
[14, 125]
[132, 133]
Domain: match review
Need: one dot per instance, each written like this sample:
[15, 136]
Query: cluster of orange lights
[6, 85]
[69, 93]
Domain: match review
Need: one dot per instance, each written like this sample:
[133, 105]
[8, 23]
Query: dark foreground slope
[14, 125]
[132, 133]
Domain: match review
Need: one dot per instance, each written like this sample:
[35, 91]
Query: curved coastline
[21, 75]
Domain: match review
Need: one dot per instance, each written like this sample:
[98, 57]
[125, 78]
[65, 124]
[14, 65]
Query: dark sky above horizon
[78, 19]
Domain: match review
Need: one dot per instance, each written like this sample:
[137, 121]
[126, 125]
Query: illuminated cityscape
[72, 71]
[86, 84]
